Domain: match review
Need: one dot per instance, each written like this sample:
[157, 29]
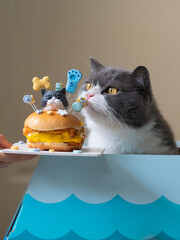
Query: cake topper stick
[73, 77]
[30, 100]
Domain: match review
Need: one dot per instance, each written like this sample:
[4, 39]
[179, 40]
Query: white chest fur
[124, 139]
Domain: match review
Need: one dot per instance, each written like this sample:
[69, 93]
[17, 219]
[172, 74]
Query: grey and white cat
[121, 113]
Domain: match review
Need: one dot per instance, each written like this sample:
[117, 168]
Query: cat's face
[54, 100]
[115, 95]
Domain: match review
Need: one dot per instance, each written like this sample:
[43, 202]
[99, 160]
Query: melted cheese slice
[55, 138]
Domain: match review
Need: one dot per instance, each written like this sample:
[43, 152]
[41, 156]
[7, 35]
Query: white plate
[23, 149]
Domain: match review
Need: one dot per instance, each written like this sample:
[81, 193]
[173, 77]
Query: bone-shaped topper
[41, 83]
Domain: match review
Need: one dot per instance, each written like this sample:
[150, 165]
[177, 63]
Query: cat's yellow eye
[112, 90]
[88, 86]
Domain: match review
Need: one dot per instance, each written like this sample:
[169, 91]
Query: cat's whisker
[119, 116]
[112, 115]
[125, 125]
[109, 115]
[116, 114]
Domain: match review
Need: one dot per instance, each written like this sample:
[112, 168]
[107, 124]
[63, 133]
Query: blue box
[110, 197]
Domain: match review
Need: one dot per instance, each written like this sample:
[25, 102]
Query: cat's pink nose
[90, 95]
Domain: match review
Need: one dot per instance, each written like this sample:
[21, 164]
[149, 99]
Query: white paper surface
[23, 149]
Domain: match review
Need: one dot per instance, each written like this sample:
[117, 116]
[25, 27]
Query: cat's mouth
[96, 106]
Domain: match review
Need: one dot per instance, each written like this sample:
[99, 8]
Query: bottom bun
[66, 147]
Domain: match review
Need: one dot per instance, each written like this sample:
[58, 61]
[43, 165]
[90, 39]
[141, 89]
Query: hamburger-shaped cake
[50, 130]
[53, 127]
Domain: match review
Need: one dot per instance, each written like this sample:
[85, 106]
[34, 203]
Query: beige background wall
[49, 37]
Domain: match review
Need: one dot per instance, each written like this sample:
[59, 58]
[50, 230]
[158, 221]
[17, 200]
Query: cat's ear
[141, 75]
[43, 91]
[95, 65]
[63, 91]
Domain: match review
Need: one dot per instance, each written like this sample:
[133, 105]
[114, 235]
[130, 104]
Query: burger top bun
[54, 121]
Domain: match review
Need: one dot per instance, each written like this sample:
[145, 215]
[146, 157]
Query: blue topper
[73, 77]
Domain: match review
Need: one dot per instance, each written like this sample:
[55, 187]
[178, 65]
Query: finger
[4, 142]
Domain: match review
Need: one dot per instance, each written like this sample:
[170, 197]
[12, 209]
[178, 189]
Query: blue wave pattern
[72, 236]
[73, 219]
[69, 236]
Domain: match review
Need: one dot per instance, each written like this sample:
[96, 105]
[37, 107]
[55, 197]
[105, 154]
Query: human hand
[6, 159]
